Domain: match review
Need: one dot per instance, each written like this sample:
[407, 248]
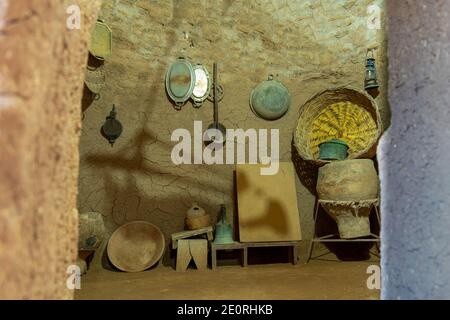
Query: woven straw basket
[343, 113]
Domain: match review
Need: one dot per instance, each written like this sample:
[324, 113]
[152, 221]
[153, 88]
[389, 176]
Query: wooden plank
[295, 254]
[267, 204]
[208, 231]
[272, 244]
[245, 257]
[213, 258]
[191, 233]
[239, 245]
[183, 255]
[228, 246]
[199, 252]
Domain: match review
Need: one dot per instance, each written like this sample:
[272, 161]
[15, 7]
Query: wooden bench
[244, 247]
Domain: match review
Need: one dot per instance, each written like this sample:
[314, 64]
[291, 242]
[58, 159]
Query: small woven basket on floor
[344, 113]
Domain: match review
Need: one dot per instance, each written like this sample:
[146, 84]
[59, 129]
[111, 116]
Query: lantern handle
[370, 53]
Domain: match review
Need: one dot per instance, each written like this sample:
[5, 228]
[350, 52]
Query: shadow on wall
[133, 164]
[133, 160]
[306, 171]
[144, 205]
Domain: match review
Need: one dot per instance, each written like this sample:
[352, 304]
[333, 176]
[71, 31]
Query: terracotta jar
[349, 186]
[91, 231]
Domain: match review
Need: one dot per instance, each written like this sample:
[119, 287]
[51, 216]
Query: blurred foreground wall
[41, 79]
[415, 153]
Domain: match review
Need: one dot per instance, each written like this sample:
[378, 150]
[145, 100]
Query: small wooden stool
[189, 249]
[205, 232]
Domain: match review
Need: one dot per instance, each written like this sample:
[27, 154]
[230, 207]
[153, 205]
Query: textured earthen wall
[309, 45]
[414, 154]
[41, 74]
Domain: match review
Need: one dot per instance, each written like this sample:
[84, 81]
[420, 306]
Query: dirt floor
[315, 280]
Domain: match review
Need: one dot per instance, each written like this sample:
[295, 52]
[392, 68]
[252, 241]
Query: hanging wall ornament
[101, 41]
[202, 87]
[212, 135]
[95, 79]
[270, 100]
[112, 128]
[180, 81]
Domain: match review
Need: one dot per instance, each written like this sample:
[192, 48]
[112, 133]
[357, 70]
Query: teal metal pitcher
[224, 231]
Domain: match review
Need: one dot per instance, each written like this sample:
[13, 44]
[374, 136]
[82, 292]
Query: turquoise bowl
[333, 150]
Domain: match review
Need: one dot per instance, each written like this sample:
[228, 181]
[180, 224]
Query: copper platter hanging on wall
[270, 100]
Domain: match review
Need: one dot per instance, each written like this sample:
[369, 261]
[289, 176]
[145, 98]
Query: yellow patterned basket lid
[101, 41]
[344, 113]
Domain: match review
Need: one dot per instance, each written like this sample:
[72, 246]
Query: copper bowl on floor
[136, 246]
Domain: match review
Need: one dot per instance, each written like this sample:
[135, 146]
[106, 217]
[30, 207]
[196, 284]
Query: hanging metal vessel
[202, 87]
[180, 81]
[212, 135]
[101, 41]
[270, 100]
[112, 128]
[95, 79]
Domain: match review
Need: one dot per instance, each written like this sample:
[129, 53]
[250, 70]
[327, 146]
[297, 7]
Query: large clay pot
[350, 184]
[91, 231]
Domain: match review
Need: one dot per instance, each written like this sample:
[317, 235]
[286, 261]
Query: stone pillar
[415, 153]
[41, 79]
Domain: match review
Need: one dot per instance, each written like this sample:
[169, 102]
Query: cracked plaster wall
[309, 45]
[414, 156]
[41, 74]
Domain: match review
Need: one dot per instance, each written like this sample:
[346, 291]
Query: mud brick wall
[308, 45]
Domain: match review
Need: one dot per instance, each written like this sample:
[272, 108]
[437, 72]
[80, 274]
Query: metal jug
[224, 230]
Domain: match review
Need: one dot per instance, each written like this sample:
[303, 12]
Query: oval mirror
[202, 85]
[180, 81]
